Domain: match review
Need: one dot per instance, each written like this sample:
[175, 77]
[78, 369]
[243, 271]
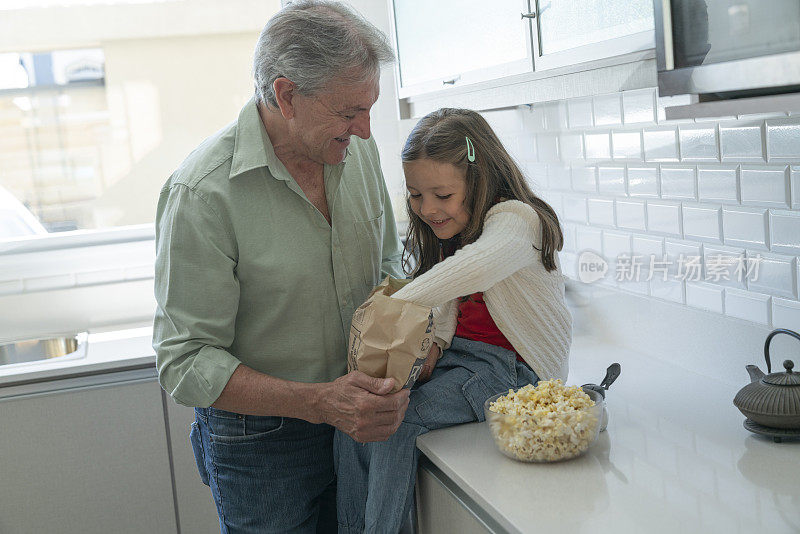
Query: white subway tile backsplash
[698, 143]
[661, 145]
[558, 176]
[571, 145]
[638, 106]
[601, 211]
[701, 222]
[575, 208]
[555, 115]
[669, 289]
[765, 186]
[678, 183]
[631, 214]
[533, 120]
[555, 200]
[725, 266]
[569, 264]
[597, 145]
[785, 314]
[588, 238]
[579, 113]
[569, 231]
[745, 227]
[647, 246]
[681, 251]
[547, 148]
[614, 244]
[607, 110]
[773, 274]
[747, 305]
[794, 177]
[783, 139]
[536, 174]
[625, 180]
[645, 250]
[611, 180]
[740, 142]
[627, 145]
[643, 182]
[664, 217]
[704, 296]
[583, 179]
[784, 231]
[717, 184]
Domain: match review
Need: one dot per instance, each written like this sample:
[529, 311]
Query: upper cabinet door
[449, 43]
[569, 32]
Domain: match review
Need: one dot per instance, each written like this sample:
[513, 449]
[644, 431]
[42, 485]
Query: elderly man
[268, 237]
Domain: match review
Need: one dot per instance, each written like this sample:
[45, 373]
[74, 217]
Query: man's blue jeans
[376, 480]
[267, 474]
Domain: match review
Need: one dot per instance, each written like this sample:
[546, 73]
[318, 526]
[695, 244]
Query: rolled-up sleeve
[197, 295]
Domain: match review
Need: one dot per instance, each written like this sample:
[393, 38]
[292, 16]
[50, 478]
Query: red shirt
[475, 323]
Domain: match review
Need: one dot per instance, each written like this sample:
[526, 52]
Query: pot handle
[769, 340]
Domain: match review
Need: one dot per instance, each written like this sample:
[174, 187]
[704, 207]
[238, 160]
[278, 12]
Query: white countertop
[675, 458]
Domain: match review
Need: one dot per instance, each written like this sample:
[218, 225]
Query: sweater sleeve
[504, 247]
[445, 318]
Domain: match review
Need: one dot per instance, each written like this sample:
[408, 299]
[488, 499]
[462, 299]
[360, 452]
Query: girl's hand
[430, 363]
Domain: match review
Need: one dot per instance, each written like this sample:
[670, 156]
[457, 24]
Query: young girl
[485, 252]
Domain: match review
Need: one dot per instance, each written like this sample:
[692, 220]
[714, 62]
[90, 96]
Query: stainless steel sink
[46, 348]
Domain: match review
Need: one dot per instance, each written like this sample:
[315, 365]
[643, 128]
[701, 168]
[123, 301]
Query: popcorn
[544, 423]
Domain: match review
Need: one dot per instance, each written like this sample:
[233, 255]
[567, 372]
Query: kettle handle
[769, 340]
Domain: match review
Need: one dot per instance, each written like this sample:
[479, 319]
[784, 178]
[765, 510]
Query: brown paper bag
[390, 338]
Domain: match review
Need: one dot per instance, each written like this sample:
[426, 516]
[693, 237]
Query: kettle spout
[755, 373]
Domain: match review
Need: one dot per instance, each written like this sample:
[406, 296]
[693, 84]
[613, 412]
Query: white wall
[166, 95]
[71, 27]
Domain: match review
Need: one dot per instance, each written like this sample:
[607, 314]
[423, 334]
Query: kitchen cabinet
[486, 55]
[568, 32]
[85, 454]
[443, 507]
[451, 43]
[197, 513]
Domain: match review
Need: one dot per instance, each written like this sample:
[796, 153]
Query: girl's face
[437, 191]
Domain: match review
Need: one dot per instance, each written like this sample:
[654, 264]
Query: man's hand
[362, 407]
[430, 363]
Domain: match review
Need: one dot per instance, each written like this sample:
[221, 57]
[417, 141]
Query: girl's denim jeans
[375, 484]
[267, 474]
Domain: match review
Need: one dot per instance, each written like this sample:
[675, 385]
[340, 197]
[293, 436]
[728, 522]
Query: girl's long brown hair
[441, 136]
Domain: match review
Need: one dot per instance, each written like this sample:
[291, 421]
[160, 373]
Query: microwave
[727, 48]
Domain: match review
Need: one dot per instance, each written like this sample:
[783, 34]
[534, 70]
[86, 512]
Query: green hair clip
[470, 150]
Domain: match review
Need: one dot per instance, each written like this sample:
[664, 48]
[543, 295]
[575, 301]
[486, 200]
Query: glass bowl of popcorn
[548, 422]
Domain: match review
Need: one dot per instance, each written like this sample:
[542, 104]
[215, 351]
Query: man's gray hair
[312, 42]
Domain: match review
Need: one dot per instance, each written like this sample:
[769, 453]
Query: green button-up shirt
[249, 271]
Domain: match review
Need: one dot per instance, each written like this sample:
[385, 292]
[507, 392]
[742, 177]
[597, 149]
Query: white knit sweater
[525, 300]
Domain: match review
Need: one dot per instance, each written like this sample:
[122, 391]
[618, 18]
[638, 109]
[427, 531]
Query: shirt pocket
[369, 235]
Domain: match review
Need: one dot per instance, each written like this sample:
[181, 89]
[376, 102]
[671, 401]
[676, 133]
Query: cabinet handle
[531, 15]
[451, 81]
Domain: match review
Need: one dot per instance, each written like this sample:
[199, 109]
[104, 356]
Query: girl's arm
[505, 246]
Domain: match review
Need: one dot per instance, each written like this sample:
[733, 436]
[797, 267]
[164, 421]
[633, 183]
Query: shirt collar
[252, 147]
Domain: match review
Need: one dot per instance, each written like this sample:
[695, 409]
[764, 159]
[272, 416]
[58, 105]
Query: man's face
[323, 123]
